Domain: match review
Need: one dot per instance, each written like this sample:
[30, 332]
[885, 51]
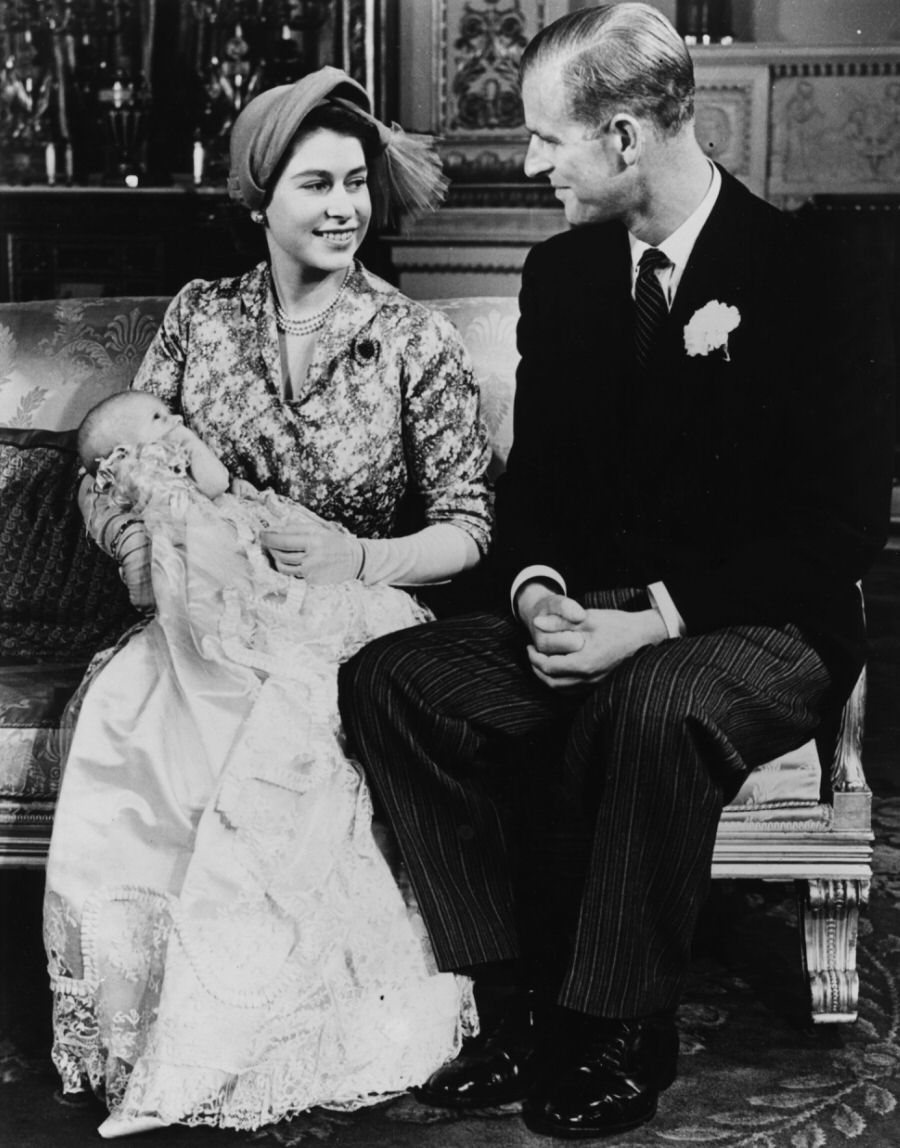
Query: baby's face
[148, 419]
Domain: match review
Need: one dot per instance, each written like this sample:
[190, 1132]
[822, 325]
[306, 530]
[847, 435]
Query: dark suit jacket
[756, 487]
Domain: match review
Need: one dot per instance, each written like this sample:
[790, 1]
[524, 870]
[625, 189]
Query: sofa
[803, 818]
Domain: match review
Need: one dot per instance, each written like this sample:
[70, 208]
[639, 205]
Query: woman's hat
[263, 132]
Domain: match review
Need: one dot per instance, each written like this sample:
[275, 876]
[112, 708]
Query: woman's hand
[241, 488]
[320, 554]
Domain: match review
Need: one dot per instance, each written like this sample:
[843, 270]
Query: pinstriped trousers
[623, 790]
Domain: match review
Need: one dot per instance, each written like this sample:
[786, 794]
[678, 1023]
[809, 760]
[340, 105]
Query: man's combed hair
[626, 56]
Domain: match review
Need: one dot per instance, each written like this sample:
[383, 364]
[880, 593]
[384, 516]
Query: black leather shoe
[496, 1067]
[612, 1082]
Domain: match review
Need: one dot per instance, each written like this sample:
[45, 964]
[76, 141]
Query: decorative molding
[830, 913]
[840, 68]
[779, 54]
[461, 228]
[506, 196]
[732, 109]
[513, 267]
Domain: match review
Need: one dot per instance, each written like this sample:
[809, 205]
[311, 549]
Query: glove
[320, 554]
[241, 488]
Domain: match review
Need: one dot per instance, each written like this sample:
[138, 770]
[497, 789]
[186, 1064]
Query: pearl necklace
[305, 326]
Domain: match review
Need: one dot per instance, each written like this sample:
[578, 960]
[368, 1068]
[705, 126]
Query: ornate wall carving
[477, 45]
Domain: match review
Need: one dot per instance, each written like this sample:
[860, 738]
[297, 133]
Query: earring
[258, 216]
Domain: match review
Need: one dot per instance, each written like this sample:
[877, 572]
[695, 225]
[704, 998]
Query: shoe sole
[545, 1128]
[507, 1096]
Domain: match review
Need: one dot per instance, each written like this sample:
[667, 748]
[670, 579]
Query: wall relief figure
[837, 133]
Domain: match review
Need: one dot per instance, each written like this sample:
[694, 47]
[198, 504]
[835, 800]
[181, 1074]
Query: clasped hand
[573, 648]
[319, 554]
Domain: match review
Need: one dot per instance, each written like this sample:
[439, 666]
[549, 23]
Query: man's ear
[627, 133]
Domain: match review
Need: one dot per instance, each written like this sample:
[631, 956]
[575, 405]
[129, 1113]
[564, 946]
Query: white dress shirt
[677, 248]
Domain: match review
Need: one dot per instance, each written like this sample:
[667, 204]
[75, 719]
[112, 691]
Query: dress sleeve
[162, 368]
[445, 440]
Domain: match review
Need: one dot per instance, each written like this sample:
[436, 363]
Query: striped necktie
[650, 308]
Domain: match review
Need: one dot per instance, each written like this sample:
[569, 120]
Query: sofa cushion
[488, 327]
[59, 358]
[61, 598]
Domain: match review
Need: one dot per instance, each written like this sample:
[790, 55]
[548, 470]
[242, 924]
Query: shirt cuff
[545, 573]
[661, 599]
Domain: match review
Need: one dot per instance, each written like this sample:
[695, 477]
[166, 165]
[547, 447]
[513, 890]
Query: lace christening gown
[227, 944]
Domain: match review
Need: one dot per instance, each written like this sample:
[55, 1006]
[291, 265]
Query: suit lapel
[683, 393]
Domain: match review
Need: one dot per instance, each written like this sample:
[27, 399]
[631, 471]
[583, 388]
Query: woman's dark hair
[341, 119]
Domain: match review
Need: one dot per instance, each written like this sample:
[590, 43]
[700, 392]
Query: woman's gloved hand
[241, 488]
[320, 554]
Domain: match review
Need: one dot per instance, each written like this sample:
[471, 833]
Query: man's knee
[649, 697]
[367, 674]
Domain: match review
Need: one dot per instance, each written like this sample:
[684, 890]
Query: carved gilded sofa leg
[829, 911]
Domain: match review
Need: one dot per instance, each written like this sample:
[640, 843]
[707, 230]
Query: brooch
[366, 351]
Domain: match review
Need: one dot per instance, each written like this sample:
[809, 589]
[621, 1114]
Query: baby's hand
[244, 489]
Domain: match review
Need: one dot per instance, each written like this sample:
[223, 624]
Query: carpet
[754, 1072]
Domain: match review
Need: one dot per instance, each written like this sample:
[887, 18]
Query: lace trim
[255, 1097]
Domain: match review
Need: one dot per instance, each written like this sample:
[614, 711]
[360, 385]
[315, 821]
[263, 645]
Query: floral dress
[227, 944]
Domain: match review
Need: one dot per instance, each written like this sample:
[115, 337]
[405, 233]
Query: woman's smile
[337, 237]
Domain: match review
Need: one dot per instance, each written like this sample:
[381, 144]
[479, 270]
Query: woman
[227, 945]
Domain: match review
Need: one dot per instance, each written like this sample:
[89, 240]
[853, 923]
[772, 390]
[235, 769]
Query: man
[699, 477]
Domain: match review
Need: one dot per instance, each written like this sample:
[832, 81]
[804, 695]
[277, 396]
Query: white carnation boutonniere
[710, 327]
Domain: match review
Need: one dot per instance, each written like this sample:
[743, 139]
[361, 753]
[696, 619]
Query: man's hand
[573, 648]
[320, 554]
[552, 618]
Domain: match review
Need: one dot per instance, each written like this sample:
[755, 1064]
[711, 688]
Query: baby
[134, 418]
[113, 433]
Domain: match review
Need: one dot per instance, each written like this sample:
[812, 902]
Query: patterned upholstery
[60, 595]
[58, 359]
